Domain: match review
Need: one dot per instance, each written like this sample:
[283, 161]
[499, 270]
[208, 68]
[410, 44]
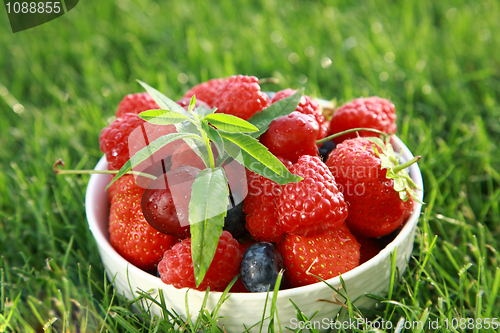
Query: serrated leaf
[163, 101]
[149, 150]
[257, 158]
[162, 117]
[230, 123]
[207, 209]
[284, 106]
[215, 137]
[403, 184]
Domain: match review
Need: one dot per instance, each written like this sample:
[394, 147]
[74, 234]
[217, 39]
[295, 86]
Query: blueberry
[326, 148]
[260, 266]
[234, 222]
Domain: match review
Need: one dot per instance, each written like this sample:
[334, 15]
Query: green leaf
[215, 137]
[230, 123]
[257, 158]
[280, 108]
[149, 150]
[200, 150]
[163, 101]
[207, 209]
[204, 111]
[162, 117]
[192, 103]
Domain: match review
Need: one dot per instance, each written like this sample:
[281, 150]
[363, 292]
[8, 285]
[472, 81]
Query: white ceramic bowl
[371, 277]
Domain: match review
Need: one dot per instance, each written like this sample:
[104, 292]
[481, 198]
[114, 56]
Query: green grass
[437, 60]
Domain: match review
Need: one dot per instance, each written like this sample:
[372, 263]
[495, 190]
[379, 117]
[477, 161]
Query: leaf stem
[209, 148]
[406, 164]
[108, 172]
[91, 172]
[350, 131]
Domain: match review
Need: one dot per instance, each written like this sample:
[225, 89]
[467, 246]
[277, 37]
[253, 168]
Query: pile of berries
[323, 226]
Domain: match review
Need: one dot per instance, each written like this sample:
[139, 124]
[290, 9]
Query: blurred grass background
[60, 84]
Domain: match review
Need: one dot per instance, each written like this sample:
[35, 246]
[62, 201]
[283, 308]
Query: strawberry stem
[350, 131]
[406, 164]
[91, 172]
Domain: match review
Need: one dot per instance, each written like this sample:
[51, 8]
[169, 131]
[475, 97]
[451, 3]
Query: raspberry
[176, 267]
[306, 106]
[207, 91]
[372, 112]
[184, 102]
[375, 207]
[292, 136]
[136, 103]
[241, 97]
[314, 204]
[127, 135]
[260, 207]
[325, 255]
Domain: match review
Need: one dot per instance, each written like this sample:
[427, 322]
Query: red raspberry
[207, 91]
[306, 106]
[292, 136]
[241, 97]
[326, 255]
[260, 207]
[127, 135]
[129, 233]
[375, 207]
[176, 267]
[372, 112]
[136, 103]
[314, 204]
[184, 102]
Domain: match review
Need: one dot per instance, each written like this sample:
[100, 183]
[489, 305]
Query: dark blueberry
[326, 148]
[260, 266]
[234, 222]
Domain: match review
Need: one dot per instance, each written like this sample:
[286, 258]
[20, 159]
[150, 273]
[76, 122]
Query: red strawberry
[129, 233]
[260, 207]
[292, 136]
[176, 267]
[372, 112]
[241, 97]
[313, 205]
[326, 255]
[375, 208]
[207, 91]
[306, 106]
[127, 135]
[136, 103]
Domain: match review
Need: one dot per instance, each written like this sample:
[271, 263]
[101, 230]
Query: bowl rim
[103, 241]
